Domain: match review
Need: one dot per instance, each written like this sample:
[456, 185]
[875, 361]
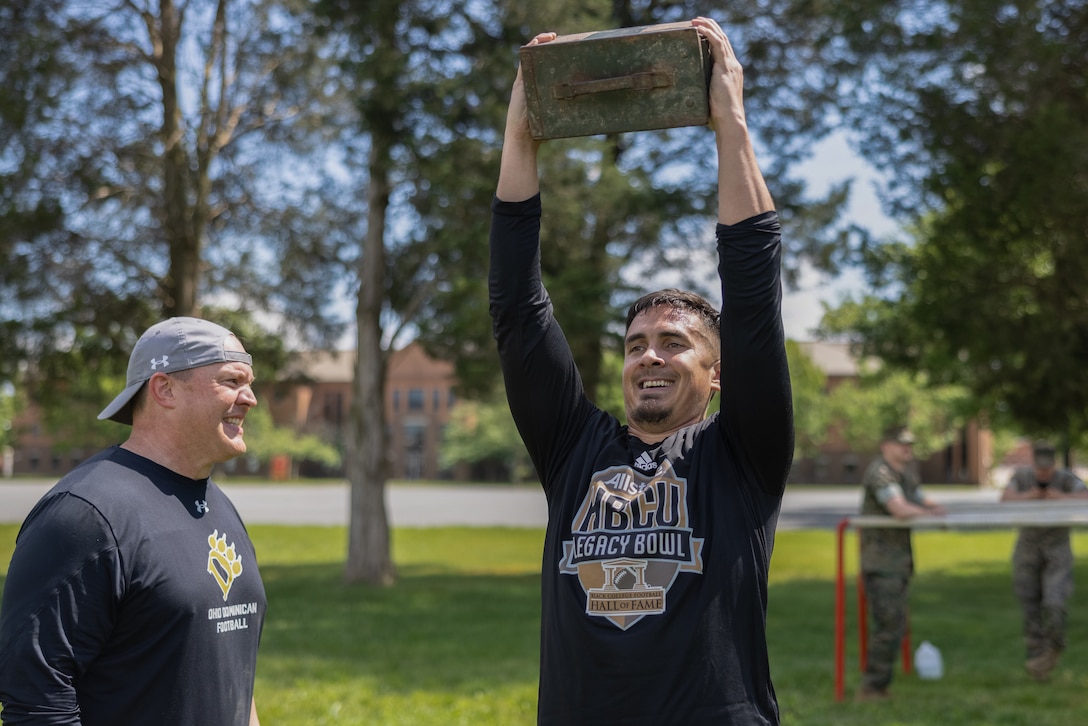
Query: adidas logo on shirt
[645, 462]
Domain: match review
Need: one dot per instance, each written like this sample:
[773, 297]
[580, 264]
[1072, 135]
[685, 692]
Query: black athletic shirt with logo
[133, 598]
[654, 587]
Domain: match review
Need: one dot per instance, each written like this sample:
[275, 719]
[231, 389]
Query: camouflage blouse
[887, 550]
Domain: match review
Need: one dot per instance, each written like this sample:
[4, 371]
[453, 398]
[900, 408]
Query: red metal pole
[907, 660]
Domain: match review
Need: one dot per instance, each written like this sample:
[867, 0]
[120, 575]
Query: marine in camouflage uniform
[890, 488]
[1042, 561]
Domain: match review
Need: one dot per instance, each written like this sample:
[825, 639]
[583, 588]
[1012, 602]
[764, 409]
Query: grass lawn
[455, 641]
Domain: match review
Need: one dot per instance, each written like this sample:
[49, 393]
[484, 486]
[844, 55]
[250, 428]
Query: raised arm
[757, 407]
[742, 191]
[543, 387]
[518, 178]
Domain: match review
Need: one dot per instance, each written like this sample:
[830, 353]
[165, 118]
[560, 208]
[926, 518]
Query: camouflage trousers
[887, 596]
[1043, 581]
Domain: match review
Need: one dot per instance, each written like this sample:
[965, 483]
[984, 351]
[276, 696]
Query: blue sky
[801, 310]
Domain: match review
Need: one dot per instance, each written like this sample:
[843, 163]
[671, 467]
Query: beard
[649, 414]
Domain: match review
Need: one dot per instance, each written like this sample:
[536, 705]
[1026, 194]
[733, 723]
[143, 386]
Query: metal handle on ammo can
[634, 82]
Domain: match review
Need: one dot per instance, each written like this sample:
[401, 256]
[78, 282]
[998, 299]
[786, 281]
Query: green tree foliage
[484, 431]
[810, 410]
[35, 73]
[623, 213]
[978, 111]
[264, 440]
[10, 406]
[149, 166]
[862, 409]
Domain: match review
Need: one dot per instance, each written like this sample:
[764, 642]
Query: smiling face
[670, 370]
[212, 407]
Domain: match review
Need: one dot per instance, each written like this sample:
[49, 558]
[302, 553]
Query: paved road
[422, 505]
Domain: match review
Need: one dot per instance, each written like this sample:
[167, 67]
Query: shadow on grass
[430, 631]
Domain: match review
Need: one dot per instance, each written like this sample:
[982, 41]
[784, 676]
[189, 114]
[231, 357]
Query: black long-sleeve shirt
[133, 598]
[654, 585]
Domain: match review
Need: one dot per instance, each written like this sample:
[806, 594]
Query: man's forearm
[518, 176]
[742, 190]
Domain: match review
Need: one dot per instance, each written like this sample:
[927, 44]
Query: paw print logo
[224, 564]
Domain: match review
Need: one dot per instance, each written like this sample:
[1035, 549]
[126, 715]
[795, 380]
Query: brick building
[314, 393]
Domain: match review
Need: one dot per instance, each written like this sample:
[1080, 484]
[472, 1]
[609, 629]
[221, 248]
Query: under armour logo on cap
[164, 362]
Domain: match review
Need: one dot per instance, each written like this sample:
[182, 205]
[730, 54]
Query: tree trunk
[180, 286]
[369, 559]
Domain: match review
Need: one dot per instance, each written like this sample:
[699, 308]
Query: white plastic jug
[927, 661]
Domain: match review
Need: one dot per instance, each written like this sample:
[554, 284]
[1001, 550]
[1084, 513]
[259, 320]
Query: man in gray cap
[133, 595]
[1042, 559]
[890, 487]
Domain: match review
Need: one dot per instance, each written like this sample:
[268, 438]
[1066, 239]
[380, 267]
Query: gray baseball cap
[176, 344]
[1043, 453]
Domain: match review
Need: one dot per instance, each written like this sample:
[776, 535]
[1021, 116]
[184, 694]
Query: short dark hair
[681, 299]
